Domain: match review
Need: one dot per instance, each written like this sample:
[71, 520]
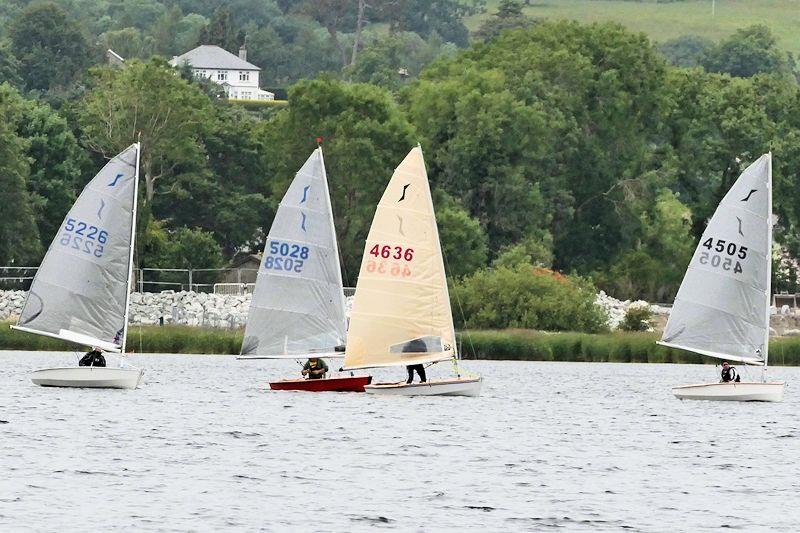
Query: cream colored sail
[401, 311]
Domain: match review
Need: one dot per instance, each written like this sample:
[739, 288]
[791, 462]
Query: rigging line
[461, 310]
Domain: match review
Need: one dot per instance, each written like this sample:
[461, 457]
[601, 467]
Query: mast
[334, 240]
[441, 262]
[132, 241]
[769, 267]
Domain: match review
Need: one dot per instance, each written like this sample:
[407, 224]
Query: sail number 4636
[393, 252]
[718, 247]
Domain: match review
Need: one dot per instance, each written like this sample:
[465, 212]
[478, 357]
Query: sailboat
[401, 310]
[81, 292]
[298, 307]
[723, 304]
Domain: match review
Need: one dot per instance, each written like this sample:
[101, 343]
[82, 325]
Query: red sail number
[386, 251]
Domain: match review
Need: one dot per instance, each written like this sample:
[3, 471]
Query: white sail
[722, 306]
[401, 311]
[81, 290]
[298, 304]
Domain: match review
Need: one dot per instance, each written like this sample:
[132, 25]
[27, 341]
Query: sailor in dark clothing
[93, 358]
[416, 346]
[315, 368]
[729, 373]
[420, 370]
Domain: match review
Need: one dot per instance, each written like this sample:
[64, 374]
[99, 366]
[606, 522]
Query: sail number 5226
[394, 252]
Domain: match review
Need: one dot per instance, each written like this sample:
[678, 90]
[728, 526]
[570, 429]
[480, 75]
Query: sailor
[416, 346]
[315, 368]
[93, 358]
[420, 370]
[729, 373]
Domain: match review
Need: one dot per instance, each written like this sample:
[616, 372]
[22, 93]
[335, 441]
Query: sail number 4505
[716, 260]
[393, 252]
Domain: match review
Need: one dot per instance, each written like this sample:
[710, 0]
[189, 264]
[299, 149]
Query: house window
[200, 73]
[244, 76]
[246, 95]
[222, 75]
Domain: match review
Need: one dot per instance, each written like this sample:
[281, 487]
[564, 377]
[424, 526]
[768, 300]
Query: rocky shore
[230, 311]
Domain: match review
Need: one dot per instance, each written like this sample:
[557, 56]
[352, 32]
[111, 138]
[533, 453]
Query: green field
[515, 345]
[663, 21]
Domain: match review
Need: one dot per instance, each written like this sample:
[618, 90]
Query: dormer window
[222, 75]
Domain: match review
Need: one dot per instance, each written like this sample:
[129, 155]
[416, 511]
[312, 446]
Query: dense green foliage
[522, 296]
[580, 148]
[637, 318]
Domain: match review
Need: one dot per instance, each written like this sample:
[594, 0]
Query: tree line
[578, 148]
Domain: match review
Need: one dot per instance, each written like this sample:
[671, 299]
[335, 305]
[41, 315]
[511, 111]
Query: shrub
[528, 297]
[637, 317]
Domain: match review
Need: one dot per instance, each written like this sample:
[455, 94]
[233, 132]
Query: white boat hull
[744, 391]
[88, 376]
[444, 387]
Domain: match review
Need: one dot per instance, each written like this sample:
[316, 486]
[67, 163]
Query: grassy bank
[667, 20]
[515, 345]
[141, 339]
[527, 345]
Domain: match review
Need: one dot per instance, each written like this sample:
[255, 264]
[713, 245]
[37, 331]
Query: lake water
[202, 445]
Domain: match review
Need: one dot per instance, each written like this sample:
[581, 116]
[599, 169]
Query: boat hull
[445, 387]
[743, 391]
[94, 377]
[336, 384]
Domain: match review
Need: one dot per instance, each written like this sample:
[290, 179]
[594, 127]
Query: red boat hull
[342, 384]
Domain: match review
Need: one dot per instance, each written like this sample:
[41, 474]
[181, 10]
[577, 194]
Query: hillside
[663, 21]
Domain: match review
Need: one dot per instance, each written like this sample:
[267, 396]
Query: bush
[637, 317]
[522, 296]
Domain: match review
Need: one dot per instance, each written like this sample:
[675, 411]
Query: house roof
[212, 57]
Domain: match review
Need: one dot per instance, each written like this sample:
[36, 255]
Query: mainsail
[81, 290]
[401, 311]
[722, 306]
[298, 303]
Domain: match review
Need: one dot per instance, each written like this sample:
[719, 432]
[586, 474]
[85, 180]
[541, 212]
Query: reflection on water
[202, 445]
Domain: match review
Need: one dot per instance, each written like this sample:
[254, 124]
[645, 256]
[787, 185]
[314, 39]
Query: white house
[238, 77]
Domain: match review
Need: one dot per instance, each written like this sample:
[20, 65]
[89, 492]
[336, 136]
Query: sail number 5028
[394, 252]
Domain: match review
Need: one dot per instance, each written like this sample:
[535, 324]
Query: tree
[19, 239]
[129, 42]
[548, 129]
[57, 164]
[221, 32]
[522, 296]
[686, 51]
[365, 136]
[147, 99]
[747, 52]
[462, 239]
[9, 65]
[509, 15]
[49, 45]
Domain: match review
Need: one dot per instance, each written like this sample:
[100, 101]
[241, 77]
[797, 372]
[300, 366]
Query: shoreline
[498, 345]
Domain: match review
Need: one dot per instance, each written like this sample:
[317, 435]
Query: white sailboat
[723, 304]
[81, 292]
[298, 306]
[401, 310]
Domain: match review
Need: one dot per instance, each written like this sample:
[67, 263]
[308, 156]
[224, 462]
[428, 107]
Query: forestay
[80, 292]
[401, 311]
[722, 306]
[298, 303]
